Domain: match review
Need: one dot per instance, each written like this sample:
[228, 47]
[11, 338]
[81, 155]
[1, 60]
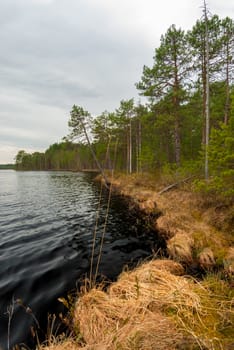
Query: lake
[47, 222]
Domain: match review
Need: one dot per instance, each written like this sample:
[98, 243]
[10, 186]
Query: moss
[218, 316]
[220, 256]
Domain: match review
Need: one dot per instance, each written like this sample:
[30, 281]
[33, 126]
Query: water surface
[47, 221]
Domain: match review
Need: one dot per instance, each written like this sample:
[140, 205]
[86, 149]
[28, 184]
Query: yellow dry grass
[69, 344]
[185, 223]
[152, 307]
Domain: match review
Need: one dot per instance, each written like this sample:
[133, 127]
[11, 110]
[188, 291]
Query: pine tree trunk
[137, 146]
[204, 105]
[207, 93]
[127, 160]
[140, 147]
[227, 102]
[177, 142]
[176, 101]
[130, 146]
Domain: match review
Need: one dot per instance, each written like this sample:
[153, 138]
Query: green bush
[221, 162]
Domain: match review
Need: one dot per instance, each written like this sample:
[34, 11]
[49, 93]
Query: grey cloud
[55, 53]
[60, 61]
[46, 86]
[24, 142]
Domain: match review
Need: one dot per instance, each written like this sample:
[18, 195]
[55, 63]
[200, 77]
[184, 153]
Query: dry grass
[109, 322]
[180, 247]
[229, 261]
[188, 223]
[128, 317]
[192, 305]
[68, 344]
[152, 307]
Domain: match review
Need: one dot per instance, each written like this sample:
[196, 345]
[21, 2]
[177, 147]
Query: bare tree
[78, 124]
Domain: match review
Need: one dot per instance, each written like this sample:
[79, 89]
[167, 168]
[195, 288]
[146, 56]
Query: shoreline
[157, 305]
[192, 231]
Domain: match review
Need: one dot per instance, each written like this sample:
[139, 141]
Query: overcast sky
[56, 53]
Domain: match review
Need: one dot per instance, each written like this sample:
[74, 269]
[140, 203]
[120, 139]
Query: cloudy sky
[56, 53]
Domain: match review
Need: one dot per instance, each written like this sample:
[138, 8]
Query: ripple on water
[47, 221]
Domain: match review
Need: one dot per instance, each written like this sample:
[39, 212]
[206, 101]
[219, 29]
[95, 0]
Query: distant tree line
[59, 156]
[168, 130]
[6, 166]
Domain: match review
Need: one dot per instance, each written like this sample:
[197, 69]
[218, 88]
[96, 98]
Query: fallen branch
[168, 188]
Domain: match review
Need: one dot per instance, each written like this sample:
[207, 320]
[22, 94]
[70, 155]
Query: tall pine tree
[168, 77]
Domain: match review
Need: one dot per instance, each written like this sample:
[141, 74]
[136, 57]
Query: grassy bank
[154, 306]
[198, 229]
[157, 305]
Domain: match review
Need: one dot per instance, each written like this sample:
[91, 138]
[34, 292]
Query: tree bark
[227, 102]
[130, 146]
[207, 92]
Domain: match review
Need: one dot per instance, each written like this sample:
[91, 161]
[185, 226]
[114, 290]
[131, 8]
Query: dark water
[47, 221]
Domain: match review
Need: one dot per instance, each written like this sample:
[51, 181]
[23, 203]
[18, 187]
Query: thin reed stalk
[107, 214]
[95, 236]
[9, 312]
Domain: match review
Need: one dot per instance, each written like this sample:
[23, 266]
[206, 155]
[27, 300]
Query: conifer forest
[185, 124]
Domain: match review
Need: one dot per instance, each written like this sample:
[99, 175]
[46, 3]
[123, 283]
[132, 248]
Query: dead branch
[176, 184]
